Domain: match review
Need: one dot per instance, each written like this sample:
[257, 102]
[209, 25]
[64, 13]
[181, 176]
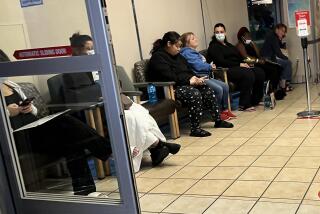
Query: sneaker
[229, 113]
[223, 124]
[98, 195]
[158, 154]
[173, 147]
[200, 133]
[224, 117]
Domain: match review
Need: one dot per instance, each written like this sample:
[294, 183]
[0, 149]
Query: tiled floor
[269, 163]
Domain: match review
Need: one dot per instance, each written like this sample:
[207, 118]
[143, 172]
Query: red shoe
[224, 117]
[229, 114]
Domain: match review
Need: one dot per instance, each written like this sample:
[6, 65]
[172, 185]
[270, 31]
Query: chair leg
[226, 81]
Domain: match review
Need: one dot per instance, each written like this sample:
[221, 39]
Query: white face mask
[220, 37]
[91, 52]
[248, 41]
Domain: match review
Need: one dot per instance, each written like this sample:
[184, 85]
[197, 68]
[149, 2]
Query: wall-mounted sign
[43, 52]
[296, 5]
[28, 3]
[302, 23]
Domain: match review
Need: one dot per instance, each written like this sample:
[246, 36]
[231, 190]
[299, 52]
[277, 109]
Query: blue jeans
[286, 73]
[221, 91]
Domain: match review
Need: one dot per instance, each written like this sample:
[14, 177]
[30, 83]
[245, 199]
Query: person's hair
[78, 41]
[281, 25]
[4, 57]
[218, 25]
[242, 32]
[185, 38]
[171, 36]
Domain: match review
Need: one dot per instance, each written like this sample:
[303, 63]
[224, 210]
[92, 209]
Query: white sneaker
[98, 195]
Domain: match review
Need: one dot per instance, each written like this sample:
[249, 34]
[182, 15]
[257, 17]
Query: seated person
[139, 134]
[201, 67]
[271, 50]
[167, 64]
[249, 80]
[248, 49]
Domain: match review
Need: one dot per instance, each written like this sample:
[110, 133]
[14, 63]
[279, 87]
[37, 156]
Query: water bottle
[152, 94]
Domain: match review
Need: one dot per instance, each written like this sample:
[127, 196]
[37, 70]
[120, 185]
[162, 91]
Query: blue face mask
[220, 36]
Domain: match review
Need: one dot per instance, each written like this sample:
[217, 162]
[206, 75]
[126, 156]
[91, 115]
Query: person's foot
[158, 154]
[247, 109]
[199, 133]
[98, 195]
[223, 124]
[173, 147]
[224, 117]
[229, 113]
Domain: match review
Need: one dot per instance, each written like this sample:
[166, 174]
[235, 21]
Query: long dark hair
[4, 57]
[214, 39]
[78, 41]
[170, 36]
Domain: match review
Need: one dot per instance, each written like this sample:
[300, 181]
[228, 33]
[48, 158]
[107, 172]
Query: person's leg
[225, 89]
[218, 91]
[287, 69]
[258, 86]
[191, 98]
[244, 80]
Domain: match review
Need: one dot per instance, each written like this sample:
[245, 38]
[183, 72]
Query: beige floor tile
[311, 202]
[156, 202]
[280, 150]
[314, 134]
[281, 200]
[260, 141]
[233, 141]
[304, 162]
[193, 172]
[296, 175]
[273, 208]
[250, 150]
[146, 184]
[225, 173]
[209, 187]
[221, 150]
[247, 134]
[235, 160]
[115, 195]
[220, 133]
[179, 160]
[224, 206]
[247, 188]
[311, 142]
[109, 185]
[287, 142]
[193, 150]
[207, 160]
[190, 205]
[271, 161]
[206, 142]
[259, 174]
[295, 134]
[317, 178]
[309, 209]
[161, 172]
[313, 193]
[266, 134]
[300, 127]
[174, 186]
[288, 190]
[308, 151]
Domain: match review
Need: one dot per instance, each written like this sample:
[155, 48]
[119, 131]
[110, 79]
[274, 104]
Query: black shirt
[226, 56]
[271, 47]
[164, 67]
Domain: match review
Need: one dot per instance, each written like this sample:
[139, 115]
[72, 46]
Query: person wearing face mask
[201, 67]
[271, 50]
[249, 80]
[167, 64]
[248, 49]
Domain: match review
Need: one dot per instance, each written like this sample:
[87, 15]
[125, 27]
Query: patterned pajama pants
[196, 98]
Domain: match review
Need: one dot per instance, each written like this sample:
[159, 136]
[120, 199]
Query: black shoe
[158, 154]
[223, 124]
[200, 133]
[173, 147]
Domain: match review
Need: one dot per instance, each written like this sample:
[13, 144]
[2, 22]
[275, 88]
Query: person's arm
[217, 54]
[275, 45]
[195, 62]
[256, 49]
[242, 50]
[161, 67]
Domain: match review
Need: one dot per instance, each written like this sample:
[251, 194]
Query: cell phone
[27, 101]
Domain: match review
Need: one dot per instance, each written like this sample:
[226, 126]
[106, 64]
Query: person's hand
[244, 65]
[193, 80]
[13, 109]
[26, 109]
[201, 80]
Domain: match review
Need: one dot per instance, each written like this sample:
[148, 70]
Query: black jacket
[164, 67]
[271, 47]
[226, 56]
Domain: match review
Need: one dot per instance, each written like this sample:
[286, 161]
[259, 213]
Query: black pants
[258, 86]
[272, 73]
[196, 99]
[69, 137]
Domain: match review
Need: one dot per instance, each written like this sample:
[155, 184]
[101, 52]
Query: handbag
[269, 100]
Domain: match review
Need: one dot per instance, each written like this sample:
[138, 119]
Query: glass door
[62, 131]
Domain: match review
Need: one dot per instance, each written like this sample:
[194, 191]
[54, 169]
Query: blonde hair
[185, 38]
